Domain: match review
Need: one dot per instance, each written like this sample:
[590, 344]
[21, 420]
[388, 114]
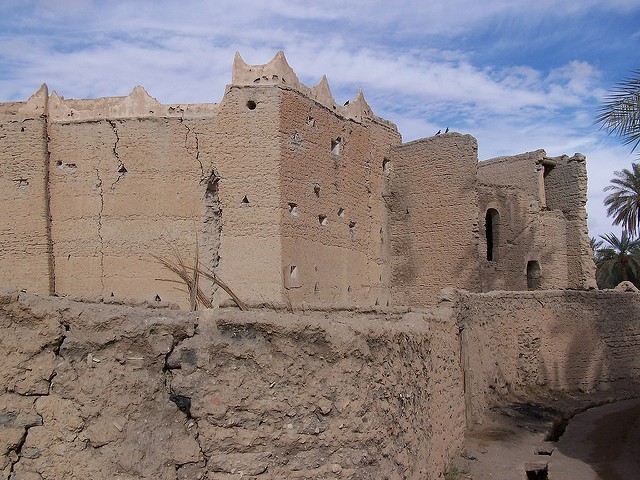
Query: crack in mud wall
[142, 393]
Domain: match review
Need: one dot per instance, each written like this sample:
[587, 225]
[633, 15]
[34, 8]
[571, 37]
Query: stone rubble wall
[107, 391]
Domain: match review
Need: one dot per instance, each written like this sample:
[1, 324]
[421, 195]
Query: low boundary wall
[105, 391]
[109, 391]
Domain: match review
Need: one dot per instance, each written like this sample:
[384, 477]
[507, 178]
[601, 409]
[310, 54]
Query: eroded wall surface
[521, 233]
[105, 391]
[24, 216]
[123, 190]
[334, 228]
[433, 203]
[566, 190]
[520, 342]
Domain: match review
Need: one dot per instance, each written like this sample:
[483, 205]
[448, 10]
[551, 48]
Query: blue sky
[517, 75]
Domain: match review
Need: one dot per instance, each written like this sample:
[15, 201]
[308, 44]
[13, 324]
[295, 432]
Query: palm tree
[623, 203]
[596, 245]
[619, 261]
[620, 114]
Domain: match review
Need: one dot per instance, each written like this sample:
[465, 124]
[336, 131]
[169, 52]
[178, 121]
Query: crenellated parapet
[138, 104]
[277, 72]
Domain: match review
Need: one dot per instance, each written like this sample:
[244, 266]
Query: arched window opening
[533, 275]
[492, 224]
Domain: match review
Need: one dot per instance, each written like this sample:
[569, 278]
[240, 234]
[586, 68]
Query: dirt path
[607, 438]
[602, 443]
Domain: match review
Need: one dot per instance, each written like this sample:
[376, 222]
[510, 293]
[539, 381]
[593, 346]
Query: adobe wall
[24, 217]
[524, 171]
[94, 391]
[524, 342]
[522, 233]
[566, 190]
[124, 189]
[433, 204]
[334, 224]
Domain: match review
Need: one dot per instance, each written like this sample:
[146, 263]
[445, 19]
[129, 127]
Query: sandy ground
[601, 443]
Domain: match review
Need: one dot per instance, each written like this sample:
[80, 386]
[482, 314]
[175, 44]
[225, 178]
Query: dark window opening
[492, 221]
[533, 275]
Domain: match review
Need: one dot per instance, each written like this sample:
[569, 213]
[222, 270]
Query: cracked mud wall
[104, 391]
[25, 253]
[566, 190]
[242, 145]
[122, 190]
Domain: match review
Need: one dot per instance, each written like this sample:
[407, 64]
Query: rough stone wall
[333, 212]
[515, 343]
[103, 391]
[24, 216]
[566, 190]
[522, 232]
[433, 216]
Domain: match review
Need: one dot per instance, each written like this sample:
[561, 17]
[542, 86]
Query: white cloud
[420, 64]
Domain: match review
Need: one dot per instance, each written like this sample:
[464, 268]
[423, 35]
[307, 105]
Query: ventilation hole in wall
[274, 77]
[293, 209]
[316, 189]
[22, 129]
[537, 471]
[407, 211]
[264, 77]
[157, 298]
[341, 212]
[311, 121]
[386, 165]
[352, 227]
[316, 288]
[69, 257]
[72, 165]
[544, 451]
[349, 289]
[256, 80]
[121, 169]
[376, 302]
[251, 105]
[293, 271]
[335, 146]
[245, 201]
[322, 219]
[387, 303]
[58, 163]
[315, 268]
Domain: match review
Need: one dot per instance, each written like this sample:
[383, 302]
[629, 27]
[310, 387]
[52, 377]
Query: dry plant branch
[190, 276]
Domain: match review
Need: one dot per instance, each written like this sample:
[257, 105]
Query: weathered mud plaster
[314, 203]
